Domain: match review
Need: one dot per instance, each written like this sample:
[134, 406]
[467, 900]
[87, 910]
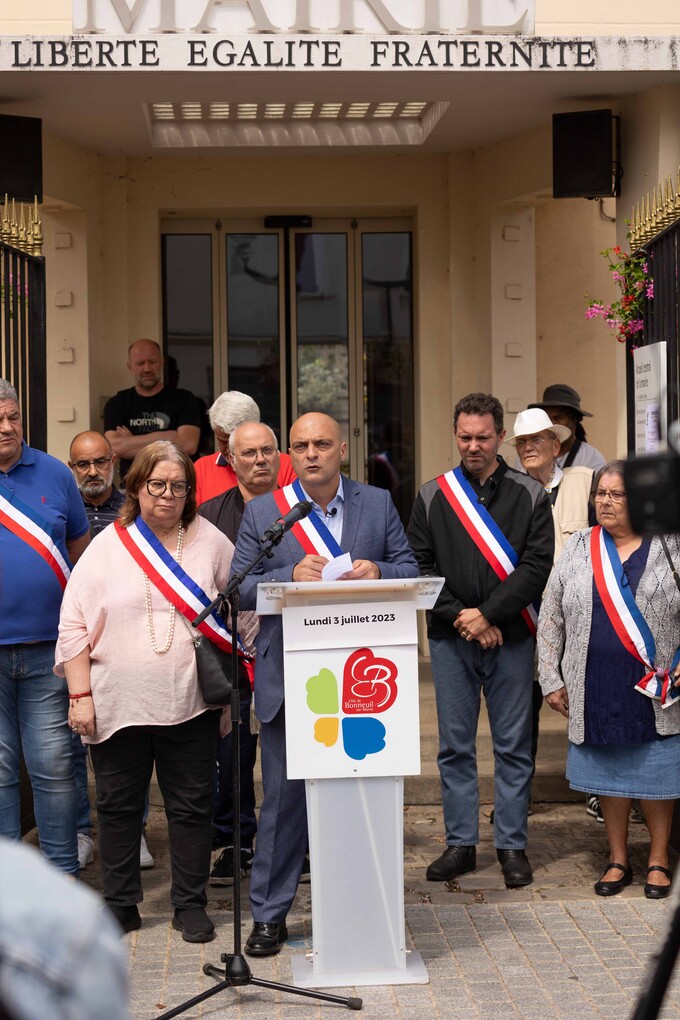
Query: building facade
[343, 206]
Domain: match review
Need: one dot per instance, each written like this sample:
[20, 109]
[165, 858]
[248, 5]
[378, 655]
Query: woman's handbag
[213, 669]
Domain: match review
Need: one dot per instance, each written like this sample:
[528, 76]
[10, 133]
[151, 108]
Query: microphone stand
[236, 971]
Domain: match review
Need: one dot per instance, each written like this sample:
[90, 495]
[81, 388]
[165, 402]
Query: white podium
[352, 733]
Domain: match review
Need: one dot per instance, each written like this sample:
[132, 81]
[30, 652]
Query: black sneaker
[593, 807]
[222, 872]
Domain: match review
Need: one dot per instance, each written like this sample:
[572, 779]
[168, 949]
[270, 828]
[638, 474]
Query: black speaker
[21, 158]
[586, 150]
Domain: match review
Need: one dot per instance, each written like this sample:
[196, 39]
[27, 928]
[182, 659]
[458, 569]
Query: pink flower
[650, 289]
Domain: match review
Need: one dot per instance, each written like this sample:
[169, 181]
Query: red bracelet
[76, 697]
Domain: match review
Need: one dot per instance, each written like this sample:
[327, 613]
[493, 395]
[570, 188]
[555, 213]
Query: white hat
[534, 420]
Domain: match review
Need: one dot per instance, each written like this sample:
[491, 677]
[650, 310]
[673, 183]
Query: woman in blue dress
[608, 640]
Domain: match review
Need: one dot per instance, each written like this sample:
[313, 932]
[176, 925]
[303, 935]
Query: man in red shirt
[214, 473]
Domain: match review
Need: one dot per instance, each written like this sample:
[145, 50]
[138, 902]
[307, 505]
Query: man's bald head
[317, 451]
[145, 364]
[92, 461]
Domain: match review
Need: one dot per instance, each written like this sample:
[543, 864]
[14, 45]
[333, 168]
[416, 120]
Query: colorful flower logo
[369, 688]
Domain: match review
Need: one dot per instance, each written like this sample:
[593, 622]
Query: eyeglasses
[614, 494]
[158, 487]
[99, 462]
[252, 455]
[534, 440]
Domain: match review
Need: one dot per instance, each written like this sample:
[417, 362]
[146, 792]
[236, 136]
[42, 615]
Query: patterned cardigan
[565, 620]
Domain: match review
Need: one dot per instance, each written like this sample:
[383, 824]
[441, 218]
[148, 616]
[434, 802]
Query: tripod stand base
[305, 975]
[237, 973]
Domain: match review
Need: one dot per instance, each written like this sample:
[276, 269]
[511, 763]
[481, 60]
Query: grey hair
[232, 409]
[264, 426]
[7, 391]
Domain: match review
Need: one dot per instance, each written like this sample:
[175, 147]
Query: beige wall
[521, 265]
[606, 17]
[570, 234]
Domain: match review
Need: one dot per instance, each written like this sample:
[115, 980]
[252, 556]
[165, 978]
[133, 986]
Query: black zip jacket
[520, 507]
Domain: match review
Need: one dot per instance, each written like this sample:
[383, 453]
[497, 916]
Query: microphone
[285, 523]
[331, 513]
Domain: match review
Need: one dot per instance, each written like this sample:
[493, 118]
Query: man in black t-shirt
[149, 410]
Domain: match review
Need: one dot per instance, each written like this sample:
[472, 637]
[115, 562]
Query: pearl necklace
[173, 611]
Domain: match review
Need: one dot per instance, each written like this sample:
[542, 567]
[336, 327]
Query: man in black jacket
[488, 530]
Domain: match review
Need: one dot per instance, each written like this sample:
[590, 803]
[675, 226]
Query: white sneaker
[145, 858]
[85, 850]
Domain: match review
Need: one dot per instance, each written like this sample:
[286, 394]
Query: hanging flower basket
[631, 273]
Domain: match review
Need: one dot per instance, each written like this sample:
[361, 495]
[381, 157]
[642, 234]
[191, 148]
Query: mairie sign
[133, 17]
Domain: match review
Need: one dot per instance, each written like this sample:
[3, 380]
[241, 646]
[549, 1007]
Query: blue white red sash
[172, 580]
[483, 531]
[627, 620]
[26, 523]
[311, 532]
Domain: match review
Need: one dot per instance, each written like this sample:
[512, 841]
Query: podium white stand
[352, 732]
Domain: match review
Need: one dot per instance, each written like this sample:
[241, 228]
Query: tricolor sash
[172, 580]
[26, 523]
[627, 620]
[483, 530]
[311, 532]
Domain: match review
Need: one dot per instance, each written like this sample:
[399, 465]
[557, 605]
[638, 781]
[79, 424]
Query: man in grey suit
[363, 520]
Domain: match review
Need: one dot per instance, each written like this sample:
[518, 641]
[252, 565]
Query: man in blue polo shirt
[43, 531]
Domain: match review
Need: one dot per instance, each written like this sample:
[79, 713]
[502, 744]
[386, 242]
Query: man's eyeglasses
[99, 462]
[252, 455]
[158, 487]
[614, 495]
[520, 444]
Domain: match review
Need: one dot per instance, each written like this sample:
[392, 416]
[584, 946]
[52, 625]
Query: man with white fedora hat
[562, 404]
[537, 441]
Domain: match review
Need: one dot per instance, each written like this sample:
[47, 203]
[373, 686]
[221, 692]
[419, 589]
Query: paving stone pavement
[553, 949]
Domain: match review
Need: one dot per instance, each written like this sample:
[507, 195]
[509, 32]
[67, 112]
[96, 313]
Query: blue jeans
[461, 670]
[84, 821]
[33, 716]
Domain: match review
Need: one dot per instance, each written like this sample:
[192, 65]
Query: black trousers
[184, 756]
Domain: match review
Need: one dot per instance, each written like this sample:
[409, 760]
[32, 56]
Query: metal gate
[22, 315]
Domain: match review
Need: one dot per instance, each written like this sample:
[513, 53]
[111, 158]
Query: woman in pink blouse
[127, 653]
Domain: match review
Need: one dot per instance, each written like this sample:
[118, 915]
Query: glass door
[313, 319]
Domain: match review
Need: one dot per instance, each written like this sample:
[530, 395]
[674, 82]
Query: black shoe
[194, 924]
[306, 874]
[223, 872]
[266, 938]
[612, 888]
[516, 868]
[456, 860]
[658, 892]
[128, 917]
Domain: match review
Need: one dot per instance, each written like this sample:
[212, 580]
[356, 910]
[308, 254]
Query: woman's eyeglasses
[614, 494]
[158, 487]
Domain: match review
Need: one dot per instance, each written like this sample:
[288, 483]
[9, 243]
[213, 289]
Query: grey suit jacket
[371, 530]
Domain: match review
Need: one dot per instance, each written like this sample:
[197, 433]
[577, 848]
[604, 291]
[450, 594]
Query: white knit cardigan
[565, 620]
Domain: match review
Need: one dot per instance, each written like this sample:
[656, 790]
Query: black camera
[653, 491]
